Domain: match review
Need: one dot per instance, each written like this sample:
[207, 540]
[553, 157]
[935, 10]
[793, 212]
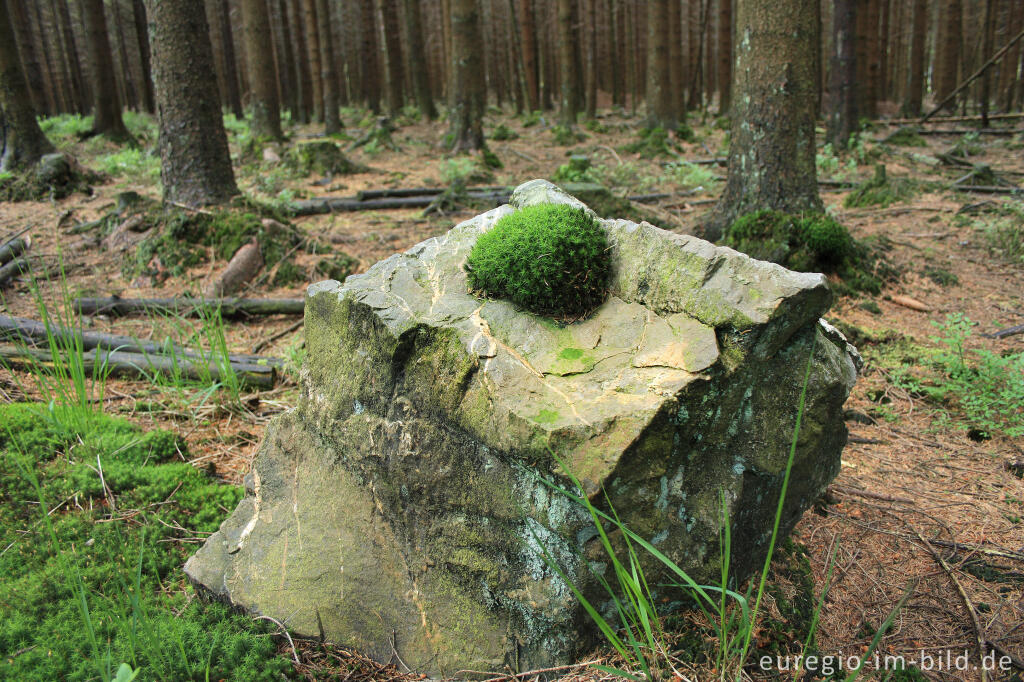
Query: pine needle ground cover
[105, 588]
[549, 259]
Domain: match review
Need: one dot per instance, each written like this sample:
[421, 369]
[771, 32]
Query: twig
[1010, 331]
[271, 339]
[285, 631]
[611, 151]
[979, 632]
[858, 492]
[522, 155]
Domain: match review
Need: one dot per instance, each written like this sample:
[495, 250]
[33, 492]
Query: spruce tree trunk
[568, 75]
[370, 61]
[142, 36]
[468, 90]
[32, 72]
[676, 45]
[771, 153]
[725, 57]
[660, 112]
[266, 110]
[529, 38]
[948, 49]
[78, 86]
[842, 117]
[22, 139]
[328, 69]
[227, 38]
[195, 166]
[303, 78]
[313, 50]
[418, 72]
[393, 46]
[915, 70]
[106, 105]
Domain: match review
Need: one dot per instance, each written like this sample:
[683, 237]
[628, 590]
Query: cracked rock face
[403, 506]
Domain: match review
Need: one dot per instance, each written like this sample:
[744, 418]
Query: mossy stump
[404, 505]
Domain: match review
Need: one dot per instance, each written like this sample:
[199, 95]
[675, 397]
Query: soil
[911, 471]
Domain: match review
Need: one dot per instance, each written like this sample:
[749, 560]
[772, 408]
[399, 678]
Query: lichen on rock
[405, 501]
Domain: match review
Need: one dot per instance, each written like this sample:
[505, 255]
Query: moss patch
[321, 157]
[880, 190]
[161, 501]
[652, 143]
[810, 243]
[53, 176]
[550, 259]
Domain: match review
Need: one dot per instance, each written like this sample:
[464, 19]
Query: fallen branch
[365, 194]
[27, 330]
[912, 303]
[1009, 331]
[190, 307]
[14, 248]
[271, 339]
[979, 632]
[139, 366]
[12, 269]
[986, 189]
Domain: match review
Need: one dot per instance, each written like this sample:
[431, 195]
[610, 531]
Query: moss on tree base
[54, 176]
[812, 242]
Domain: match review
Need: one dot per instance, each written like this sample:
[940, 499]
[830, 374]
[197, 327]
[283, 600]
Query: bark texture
[393, 50]
[842, 117]
[568, 74]
[195, 165]
[469, 89]
[105, 103]
[660, 110]
[22, 140]
[419, 74]
[328, 69]
[915, 69]
[263, 100]
[771, 154]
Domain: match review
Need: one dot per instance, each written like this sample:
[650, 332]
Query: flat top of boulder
[599, 380]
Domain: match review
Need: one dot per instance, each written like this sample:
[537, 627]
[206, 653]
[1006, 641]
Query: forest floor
[930, 496]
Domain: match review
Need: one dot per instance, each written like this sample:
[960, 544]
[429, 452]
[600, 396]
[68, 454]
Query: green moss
[338, 267]
[52, 177]
[123, 556]
[182, 239]
[906, 136]
[942, 277]
[549, 259]
[491, 159]
[577, 170]
[685, 133]
[502, 132]
[810, 243]
[571, 354]
[566, 136]
[321, 157]
[289, 273]
[880, 190]
[651, 143]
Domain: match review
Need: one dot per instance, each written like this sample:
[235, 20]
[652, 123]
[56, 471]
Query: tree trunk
[266, 110]
[948, 49]
[313, 51]
[106, 105]
[195, 165]
[842, 119]
[771, 154]
[227, 38]
[31, 71]
[725, 58]
[370, 54]
[303, 78]
[23, 141]
[328, 69]
[468, 90]
[985, 91]
[915, 82]
[78, 87]
[529, 41]
[676, 45]
[660, 112]
[568, 76]
[418, 72]
[590, 59]
[393, 46]
[142, 36]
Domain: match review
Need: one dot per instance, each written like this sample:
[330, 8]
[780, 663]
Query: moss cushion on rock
[404, 503]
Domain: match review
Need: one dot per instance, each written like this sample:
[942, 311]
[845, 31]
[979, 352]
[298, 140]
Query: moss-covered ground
[96, 518]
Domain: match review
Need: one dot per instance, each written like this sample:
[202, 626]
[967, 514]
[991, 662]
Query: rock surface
[403, 505]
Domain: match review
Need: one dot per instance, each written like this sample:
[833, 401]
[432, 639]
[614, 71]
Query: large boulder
[402, 508]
